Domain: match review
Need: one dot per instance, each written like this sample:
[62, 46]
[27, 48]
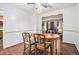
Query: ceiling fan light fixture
[38, 8]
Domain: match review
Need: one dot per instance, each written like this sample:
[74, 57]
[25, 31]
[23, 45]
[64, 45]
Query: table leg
[52, 47]
[55, 47]
[59, 46]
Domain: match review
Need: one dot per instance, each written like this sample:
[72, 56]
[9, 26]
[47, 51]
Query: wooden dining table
[56, 42]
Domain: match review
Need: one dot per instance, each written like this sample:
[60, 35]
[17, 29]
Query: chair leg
[30, 50]
[24, 51]
[35, 49]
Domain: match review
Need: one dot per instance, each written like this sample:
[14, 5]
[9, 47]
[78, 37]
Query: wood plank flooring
[1, 46]
[68, 49]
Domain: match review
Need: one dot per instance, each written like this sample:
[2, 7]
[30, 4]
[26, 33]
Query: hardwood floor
[1, 44]
[68, 49]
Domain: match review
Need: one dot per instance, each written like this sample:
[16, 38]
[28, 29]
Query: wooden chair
[41, 45]
[28, 42]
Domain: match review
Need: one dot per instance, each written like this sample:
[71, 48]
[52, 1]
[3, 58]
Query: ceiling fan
[45, 5]
[39, 6]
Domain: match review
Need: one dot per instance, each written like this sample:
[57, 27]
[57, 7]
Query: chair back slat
[36, 37]
[26, 37]
[39, 37]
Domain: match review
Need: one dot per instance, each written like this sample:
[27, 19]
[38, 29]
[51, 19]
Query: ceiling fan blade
[31, 3]
[46, 5]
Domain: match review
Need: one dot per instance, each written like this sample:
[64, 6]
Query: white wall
[16, 22]
[77, 26]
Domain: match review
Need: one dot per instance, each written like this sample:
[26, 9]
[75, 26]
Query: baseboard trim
[77, 47]
[13, 45]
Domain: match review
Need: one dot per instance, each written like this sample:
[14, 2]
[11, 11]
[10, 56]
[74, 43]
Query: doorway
[54, 23]
[1, 32]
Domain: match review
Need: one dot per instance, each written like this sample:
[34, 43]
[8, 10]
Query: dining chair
[41, 45]
[28, 42]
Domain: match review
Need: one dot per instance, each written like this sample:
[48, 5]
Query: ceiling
[58, 6]
[55, 6]
[24, 6]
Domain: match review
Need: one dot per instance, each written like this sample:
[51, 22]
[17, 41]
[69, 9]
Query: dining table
[56, 42]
